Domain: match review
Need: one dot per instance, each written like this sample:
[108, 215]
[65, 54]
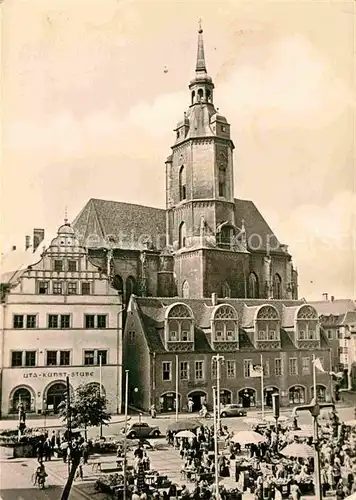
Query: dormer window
[267, 327]
[307, 326]
[179, 324]
[225, 324]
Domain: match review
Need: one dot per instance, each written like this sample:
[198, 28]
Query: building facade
[205, 240]
[59, 317]
[170, 343]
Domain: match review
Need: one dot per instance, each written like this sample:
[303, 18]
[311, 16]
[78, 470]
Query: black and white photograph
[178, 250]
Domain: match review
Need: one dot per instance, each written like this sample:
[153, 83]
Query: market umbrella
[184, 425]
[298, 450]
[248, 437]
[185, 434]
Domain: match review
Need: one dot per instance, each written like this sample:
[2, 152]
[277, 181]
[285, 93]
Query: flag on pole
[318, 365]
[256, 371]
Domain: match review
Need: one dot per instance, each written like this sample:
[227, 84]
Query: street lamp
[314, 408]
[218, 359]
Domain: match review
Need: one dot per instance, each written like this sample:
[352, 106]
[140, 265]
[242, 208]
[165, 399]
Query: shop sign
[57, 374]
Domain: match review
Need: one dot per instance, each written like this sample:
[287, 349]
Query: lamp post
[125, 438]
[217, 494]
[218, 359]
[100, 390]
[314, 408]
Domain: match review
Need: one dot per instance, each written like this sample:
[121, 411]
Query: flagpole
[314, 378]
[262, 391]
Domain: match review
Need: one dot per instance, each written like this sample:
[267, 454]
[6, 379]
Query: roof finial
[66, 215]
[200, 66]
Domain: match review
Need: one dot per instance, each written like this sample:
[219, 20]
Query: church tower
[199, 173]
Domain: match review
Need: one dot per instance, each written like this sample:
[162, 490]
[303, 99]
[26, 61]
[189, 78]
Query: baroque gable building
[205, 241]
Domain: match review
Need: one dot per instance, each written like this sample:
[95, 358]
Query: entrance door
[268, 395]
[198, 398]
[55, 395]
[247, 398]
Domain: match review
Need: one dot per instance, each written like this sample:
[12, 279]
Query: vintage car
[141, 430]
[232, 411]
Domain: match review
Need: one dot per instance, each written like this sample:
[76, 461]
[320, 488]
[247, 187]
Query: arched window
[225, 324]
[185, 290]
[193, 96]
[179, 323]
[277, 286]
[222, 180]
[182, 235]
[226, 235]
[118, 283]
[200, 95]
[225, 290]
[253, 291]
[21, 395]
[208, 95]
[307, 323]
[267, 324]
[56, 395]
[182, 184]
[131, 287]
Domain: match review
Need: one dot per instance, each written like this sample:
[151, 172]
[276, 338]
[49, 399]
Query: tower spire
[200, 66]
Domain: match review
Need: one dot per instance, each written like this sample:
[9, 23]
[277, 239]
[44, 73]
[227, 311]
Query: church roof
[125, 224]
[258, 233]
[129, 226]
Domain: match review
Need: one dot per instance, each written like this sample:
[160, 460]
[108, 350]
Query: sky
[88, 111]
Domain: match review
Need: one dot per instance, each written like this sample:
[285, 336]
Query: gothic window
[222, 180]
[182, 235]
[226, 235]
[307, 323]
[225, 324]
[118, 283]
[131, 287]
[253, 291]
[267, 326]
[179, 324]
[182, 184]
[225, 290]
[277, 286]
[185, 290]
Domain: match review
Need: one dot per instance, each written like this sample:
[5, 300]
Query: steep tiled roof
[333, 307]
[349, 318]
[258, 232]
[129, 225]
[125, 224]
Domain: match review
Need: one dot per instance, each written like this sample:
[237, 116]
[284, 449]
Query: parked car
[232, 411]
[141, 430]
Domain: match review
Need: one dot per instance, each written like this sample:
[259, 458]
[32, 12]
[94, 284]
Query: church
[205, 241]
